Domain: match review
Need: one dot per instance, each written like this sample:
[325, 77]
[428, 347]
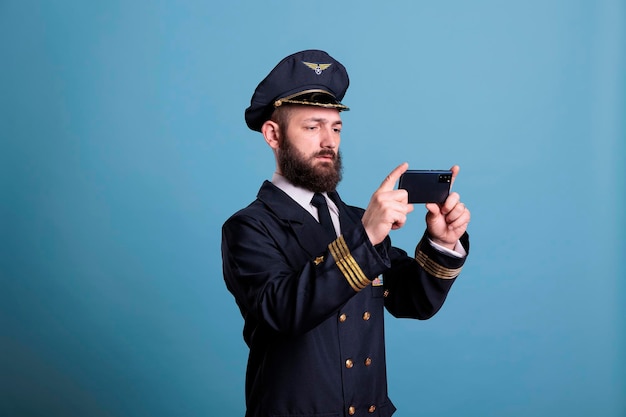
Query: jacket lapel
[295, 217]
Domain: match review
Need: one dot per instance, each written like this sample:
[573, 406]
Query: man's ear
[271, 133]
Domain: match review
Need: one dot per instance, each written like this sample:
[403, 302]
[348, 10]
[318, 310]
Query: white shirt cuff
[458, 252]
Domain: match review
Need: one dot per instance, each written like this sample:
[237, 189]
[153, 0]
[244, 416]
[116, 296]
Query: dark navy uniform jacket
[313, 308]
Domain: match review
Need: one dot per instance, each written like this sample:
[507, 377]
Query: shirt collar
[302, 196]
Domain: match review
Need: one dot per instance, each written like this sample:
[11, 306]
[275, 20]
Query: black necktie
[323, 214]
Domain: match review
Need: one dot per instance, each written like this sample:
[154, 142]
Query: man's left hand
[447, 222]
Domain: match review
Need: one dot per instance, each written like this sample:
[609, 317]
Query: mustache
[327, 152]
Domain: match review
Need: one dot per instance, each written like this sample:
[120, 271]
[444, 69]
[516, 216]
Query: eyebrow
[323, 120]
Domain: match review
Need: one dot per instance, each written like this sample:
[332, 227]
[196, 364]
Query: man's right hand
[387, 208]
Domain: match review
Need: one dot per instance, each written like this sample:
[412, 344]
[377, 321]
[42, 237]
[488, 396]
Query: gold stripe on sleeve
[347, 265]
[434, 269]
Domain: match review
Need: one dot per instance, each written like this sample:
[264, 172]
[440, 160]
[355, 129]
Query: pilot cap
[310, 77]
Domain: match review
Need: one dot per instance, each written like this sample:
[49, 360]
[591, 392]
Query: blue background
[123, 150]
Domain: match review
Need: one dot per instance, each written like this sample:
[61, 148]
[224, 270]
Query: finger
[455, 213]
[389, 183]
[395, 206]
[399, 210]
[455, 171]
[450, 202]
[399, 222]
[400, 195]
[461, 222]
[433, 208]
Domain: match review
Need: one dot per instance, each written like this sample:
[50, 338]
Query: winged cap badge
[318, 68]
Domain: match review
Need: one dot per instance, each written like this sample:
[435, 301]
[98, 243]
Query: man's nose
[328, 139]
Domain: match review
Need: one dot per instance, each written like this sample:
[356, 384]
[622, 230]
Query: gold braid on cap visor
[294, 99]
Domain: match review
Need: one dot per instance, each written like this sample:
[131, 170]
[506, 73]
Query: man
[311, 281]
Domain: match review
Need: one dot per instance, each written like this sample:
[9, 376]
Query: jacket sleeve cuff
[356, 258]
[438, 263]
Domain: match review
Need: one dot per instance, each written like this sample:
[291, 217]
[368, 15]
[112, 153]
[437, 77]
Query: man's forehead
[310, 113]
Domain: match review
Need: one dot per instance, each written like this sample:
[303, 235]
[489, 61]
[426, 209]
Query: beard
[302, 171]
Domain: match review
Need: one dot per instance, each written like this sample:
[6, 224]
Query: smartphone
[426, 186]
